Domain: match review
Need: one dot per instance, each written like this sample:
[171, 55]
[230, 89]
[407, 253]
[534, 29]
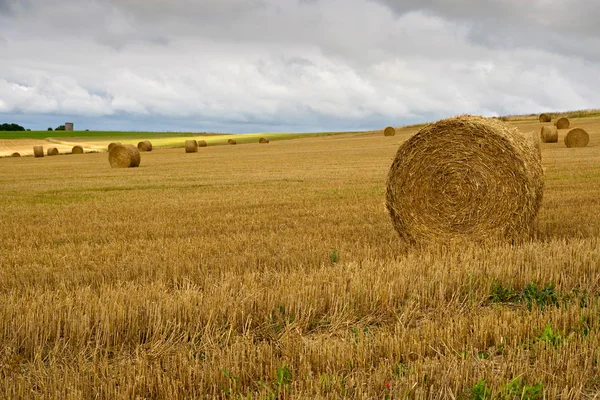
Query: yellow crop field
[274, 272]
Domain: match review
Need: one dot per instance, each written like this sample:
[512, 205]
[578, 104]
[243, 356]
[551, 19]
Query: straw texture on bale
[52, 151]
[202, 143]
[15, 155]
[545, 118]
[549, 134]
[263, 140]
[144, 146]
[38, 151]
[110, 146]
[466, 179]
[124, 156]
[389, 131]
[232, 141]
[191, 146]
[563, 123]
[77, 150]
[577, 138]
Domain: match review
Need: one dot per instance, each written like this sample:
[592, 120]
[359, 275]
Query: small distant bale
[577, 138]
[144, 146]
[202, 143]
[549, 134]
[110, 146]
[15, 155]
[232, 141]
[389, 131]
[545, 118]
[563, 123]
[38, 151]
[263, 140]
[191, 146]
[77, 150]
[52, 151]
[124, 156]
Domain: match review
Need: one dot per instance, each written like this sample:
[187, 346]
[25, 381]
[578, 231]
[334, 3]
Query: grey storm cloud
[243, 65]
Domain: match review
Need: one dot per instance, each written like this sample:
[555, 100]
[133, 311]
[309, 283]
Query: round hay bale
[465, 179]
[124, 156]
[263, 140]
[577, 138]
[232, 141]
[110, 146]
[191, 146]
[38, 151]
[389, 131]
[52, 151]
[77, 150]
[563, 123]
[15, 155]
[202, 143]
[549, 134]
[545, 118]
[144, 146]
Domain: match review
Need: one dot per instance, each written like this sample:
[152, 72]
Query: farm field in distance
[273, 271]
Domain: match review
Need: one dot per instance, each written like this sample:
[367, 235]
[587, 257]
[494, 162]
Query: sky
[292, 65]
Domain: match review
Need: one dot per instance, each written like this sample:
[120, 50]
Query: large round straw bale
[577, 138]
[52, 151]
[38, 151]
[232, 141]
[202, 143]
[563, 123]
[144, 146]
[110, 146]
[549, 134]
[15, 155]
[191, 146]
[263, 140]
[465, 179]
[545, 118]
[389, 131]
[124, 156]
[77, 150]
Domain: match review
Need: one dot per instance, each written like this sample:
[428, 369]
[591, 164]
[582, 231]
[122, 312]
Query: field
[273, 271]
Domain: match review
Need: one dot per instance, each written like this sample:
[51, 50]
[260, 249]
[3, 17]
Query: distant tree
[28, 130]
[11, 127]
[49, 129]
[60, 128]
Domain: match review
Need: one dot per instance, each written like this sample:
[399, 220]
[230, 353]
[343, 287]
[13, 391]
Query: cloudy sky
[292, 65]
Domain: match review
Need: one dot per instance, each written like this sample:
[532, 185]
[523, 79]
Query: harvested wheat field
[250, 273]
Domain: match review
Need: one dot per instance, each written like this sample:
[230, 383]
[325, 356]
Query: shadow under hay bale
[577, 138]
[110, 146]
[389, 131]
[465, 179]
[545, 118]
[52, 151]
[124, 156]
[562, 123]
[191, 146]
[77, 150]
[232, 141]
[38, 151]
[202, 143]
[549, 134]
[263, 140]
[144, 146]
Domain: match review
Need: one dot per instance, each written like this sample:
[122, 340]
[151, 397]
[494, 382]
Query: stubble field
[273, 271]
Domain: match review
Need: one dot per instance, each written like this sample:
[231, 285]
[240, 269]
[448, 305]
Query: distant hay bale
[124, 156]
[52, 151]
[15, 155]
[77, 150]
[549, 134]
[465, 179]
[202, 143]
[38, 151]
[191, 146]
[110, 146]
[232, 141]
[563, 123]
[545, 118]
[577, 138]
[144, 146]
[389, 131]
[263, 140]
